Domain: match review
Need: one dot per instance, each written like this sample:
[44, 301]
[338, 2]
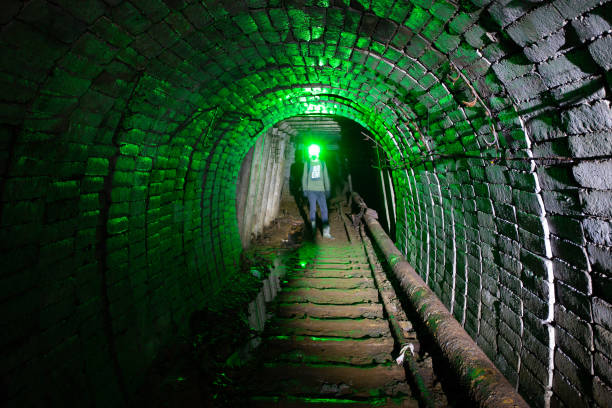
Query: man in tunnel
[316, 187]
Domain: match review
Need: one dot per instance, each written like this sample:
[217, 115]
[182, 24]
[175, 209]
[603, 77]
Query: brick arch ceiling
[146, 108]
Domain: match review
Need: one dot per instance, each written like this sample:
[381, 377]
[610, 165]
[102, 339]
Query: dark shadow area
[295, 183]
[361, 162]
[203, 368]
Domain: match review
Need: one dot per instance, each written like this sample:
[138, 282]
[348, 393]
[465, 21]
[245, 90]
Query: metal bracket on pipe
[487, 386]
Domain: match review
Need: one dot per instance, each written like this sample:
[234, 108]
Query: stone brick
[94, 49]
[527, 202]
[512, 68]
[62, 190]
[119, 194]
[597, 203]
[125, 164]
[603, 340]
[505, 14]
[603, 367]
[565, 227]
[22, 212]
[598, 231]
[569, 252]
[586, 89]
[535, 25]
[89, 202]
[501, 192]
[570, 9]
[545, 48]
[92, 184]
[602, 313]
[588, 118]
[505, 211]
[566, 68]
[537, 306]
[62, 83]
[590, 26]
[531, 223]
[601, 393]
[522, 180]
[567, 393]
[111, 32]
[130, 18]
[565, 202]
[595, 144]
[580, 329]
[531, 388]
[580, 280]
[544, 127]
[532, 242]
[596, 175]
[573, 300]
[87, 10]
[123, 178]
[578, 353]
[97, 166]
[601, 52]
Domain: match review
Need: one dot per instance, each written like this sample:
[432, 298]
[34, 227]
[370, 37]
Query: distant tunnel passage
[124, 125]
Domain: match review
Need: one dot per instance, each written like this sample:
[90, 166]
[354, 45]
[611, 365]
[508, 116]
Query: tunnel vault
[124, 124]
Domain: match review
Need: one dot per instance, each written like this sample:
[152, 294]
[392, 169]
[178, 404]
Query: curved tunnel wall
[124, 124]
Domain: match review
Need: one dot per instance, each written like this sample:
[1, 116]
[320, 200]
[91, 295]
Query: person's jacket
[315, 177]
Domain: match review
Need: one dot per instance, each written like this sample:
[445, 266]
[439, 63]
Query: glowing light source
[314, 150]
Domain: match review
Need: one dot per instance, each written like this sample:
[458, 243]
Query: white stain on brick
[549, 321]
[453, 240]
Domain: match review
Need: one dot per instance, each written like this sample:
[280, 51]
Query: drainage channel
[336, 333]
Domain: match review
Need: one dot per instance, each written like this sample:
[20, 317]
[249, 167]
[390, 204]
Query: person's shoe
[326, 233]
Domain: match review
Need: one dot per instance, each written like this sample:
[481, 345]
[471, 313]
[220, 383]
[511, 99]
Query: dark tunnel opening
[351, 155]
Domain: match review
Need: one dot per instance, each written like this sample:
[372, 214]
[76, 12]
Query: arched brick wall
[123, 125]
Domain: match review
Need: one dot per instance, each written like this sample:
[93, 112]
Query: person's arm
[326, 180]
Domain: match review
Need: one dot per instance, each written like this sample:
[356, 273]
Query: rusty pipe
[486, 384]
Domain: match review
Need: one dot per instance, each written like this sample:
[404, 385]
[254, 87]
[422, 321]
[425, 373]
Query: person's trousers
[314, 198]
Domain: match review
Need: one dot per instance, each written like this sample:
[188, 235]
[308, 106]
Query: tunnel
[127, 125]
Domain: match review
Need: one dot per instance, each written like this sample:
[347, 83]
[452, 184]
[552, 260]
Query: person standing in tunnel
[315, 185]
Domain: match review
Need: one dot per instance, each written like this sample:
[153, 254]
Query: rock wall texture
[123, 125]
[260, 183]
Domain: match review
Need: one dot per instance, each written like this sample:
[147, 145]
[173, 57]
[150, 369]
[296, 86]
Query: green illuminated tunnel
[123, 126]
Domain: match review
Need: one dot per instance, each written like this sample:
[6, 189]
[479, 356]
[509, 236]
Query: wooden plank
[332, 283]
[329, 273]
[331, 380]
[299, 310]
[308, 350]
[348, 328]
[329, 296]
[276, 402]
[343, 266]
